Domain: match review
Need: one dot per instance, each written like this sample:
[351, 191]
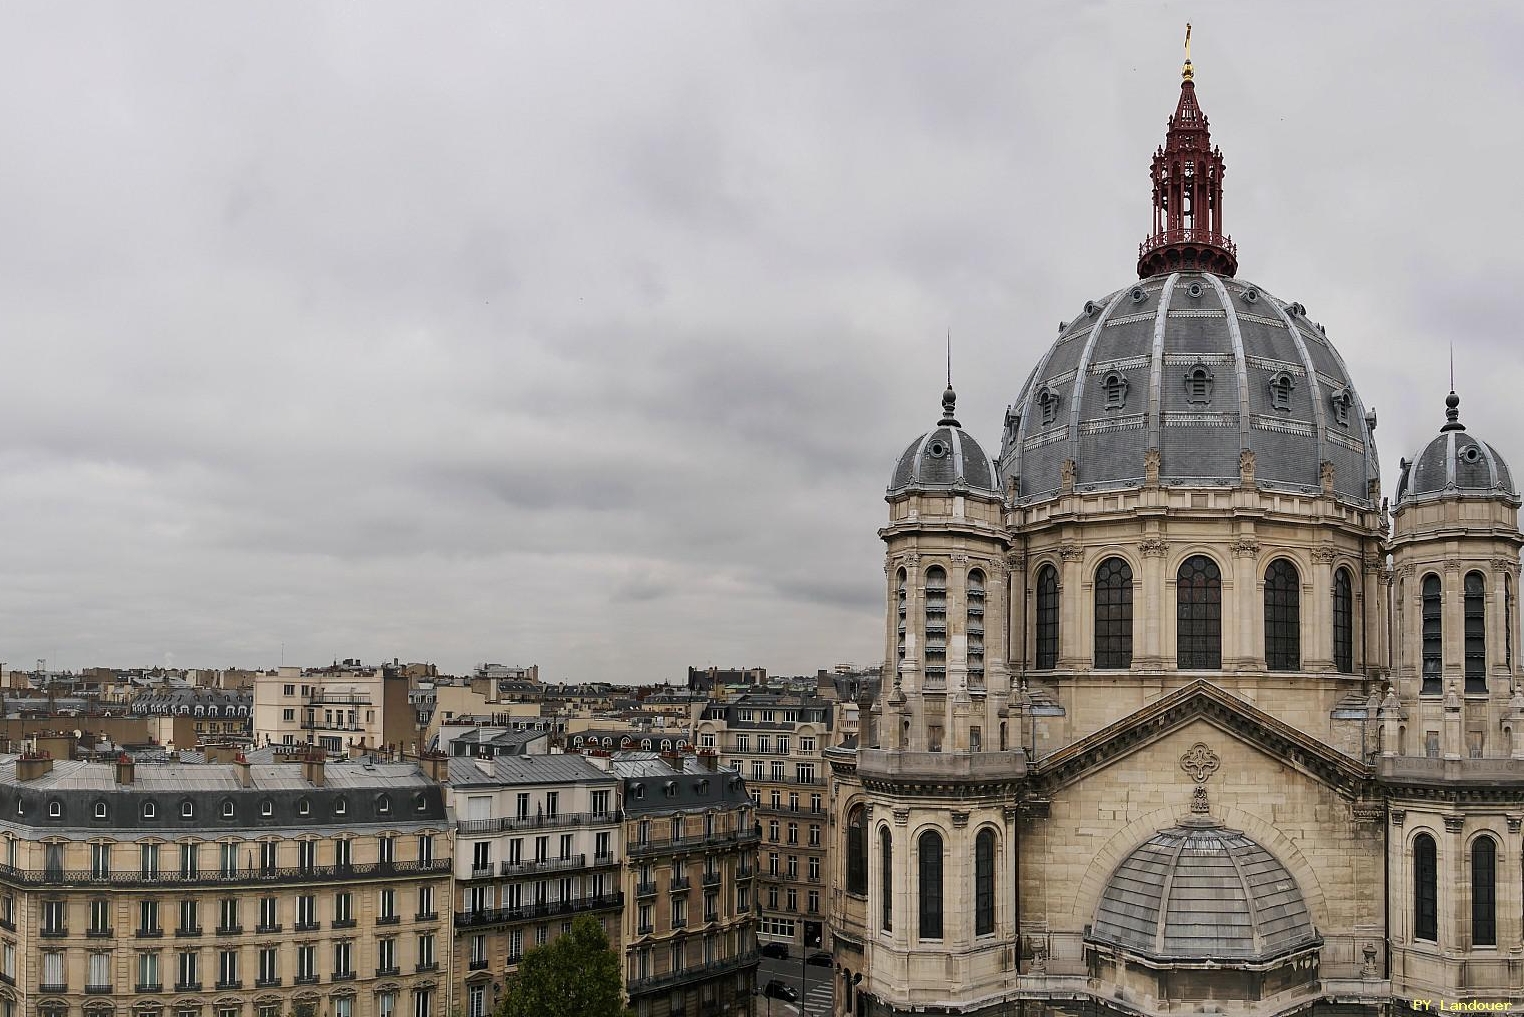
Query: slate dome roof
[1201, 367]
[1455, 463]
[1201, 891]
[946, 458]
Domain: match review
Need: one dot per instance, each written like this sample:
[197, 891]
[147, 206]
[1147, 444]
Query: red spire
[1187, 177]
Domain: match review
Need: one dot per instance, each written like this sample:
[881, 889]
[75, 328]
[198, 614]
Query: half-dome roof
[1455, 463]
[1203, 892]
[1202, 368]
[946, 458]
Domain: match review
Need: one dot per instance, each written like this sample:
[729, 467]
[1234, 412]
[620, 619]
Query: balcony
[308, 926]
[543, 865]
[645, 930]
[481, 872]
[477, 965]
[498, 916]
[426, 916]
[679, 884]
[234, 983]
[145, 987]
[702, 972]
[343, 976]
[389, 920]
[605, 859]
[305, 980]
[267, 983]
[645, 889]
[343, 923]
[712, 878]
[680, 923]
[55, 932]
[467, 827]
[265, 930]
[319, 697]
[98, 990]
[423, 966]
[136, 880]
[671, 844]
[53, 988]
[388, 972]
[98, 933]
[711, 917]
[150, 933]
[187, 932]
[230, 930]
[188, 986]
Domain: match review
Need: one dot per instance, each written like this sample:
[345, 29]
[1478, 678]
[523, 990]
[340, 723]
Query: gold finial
[1186, 74]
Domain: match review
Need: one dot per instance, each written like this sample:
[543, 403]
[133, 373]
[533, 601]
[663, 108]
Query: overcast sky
[587, 335]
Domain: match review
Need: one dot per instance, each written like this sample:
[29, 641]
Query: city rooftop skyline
[588, 337]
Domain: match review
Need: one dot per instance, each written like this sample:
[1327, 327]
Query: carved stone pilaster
[1387, 577]
[959, 819]
[1372, 564]
[1246, 468]
[1398, 816]
[1454, 824]
[1009, 813]
[1324, 555]
[1514, 821]
[1507, 566]
[1016, 561]
[1153, 547]
[1072, 552]
[960, 559]
[901, 817]
[1245, 547]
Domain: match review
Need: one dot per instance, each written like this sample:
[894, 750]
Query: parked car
[820, 959]
[777, 951]
[780, 990]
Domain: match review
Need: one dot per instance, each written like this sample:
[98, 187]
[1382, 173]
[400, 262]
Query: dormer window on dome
[1198, 385]
[1341, 401]
[1281, 386]
[1047, 405]
[1115, 386]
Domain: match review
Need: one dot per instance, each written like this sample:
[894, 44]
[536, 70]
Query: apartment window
[804, 773]
[426, 849]
[227, 968]
[777, 771]
[190, 917]
[343, 959]
[306, 855]
[269, 965]
[793, 899]
[342, 853]
[386, 954]
[783, 745]
[228, 856]
[523, 805]
[566, 846]
[148, 970]
[189, 968]
[227, 916]
[190, 861]
[815, 801]
[756, 769]
[814, 869]
[772, 830]
[478, 949]
[814, 902]
[388, 905]
[54, 918]
[743, 899]
[806, 743]
[100, 917]
[793, 866]
[386, 850]
[53, 970]
[679, 912]
[793, 833]
[426, 949]
[552, 804]
[269, 914]
[148, 859]
[343, 908]
[772, 863]
[148, 918]
[100, 861]
[426, 900]
[423, 1003]
[306, 962]
[306, 911]
[600, 803]
[386, 1004]
[98, 974]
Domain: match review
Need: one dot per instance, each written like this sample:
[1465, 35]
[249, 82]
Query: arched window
[1283, 617]
[1425, 889]
[1113, 614]
[1476, 632]
[1433, 637]
[936, 626]
[900, 598]
[974, 626]
[1343, 623]
[886, 878]
[1047, 618]
[1484, 911]
[984, 883]
[1198, 615]
[857, 851]
[929, 847]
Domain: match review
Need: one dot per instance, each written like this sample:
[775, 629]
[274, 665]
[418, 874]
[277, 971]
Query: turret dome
[1455, 464]
[946, 458]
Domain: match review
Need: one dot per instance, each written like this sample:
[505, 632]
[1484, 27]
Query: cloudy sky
[586, 334]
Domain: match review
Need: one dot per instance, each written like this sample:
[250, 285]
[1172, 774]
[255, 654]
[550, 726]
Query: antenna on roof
[1452, 365]
[949, 357]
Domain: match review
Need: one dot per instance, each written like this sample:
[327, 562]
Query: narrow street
[815, 988]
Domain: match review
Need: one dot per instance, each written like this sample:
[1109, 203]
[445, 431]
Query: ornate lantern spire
[1187, 177]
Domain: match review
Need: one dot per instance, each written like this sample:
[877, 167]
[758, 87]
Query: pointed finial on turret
[1186, 74]
[949, 397]
[1452, 413]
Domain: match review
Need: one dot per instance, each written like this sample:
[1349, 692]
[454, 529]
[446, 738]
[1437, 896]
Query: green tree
[576, 975]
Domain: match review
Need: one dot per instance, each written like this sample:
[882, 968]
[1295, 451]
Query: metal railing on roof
[562, 819]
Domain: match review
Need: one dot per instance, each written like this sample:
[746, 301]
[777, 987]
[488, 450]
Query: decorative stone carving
[1324, 555]
[1326, 475]
[1454, 824]
[1009, 813]
[901, 817]
[1038, 951]
[1368, 969]
[1508, 566]
[1514, 820]
[1200, 762]
[1152, 461]
[1245, 547]
[960, 819]
[1246, 468]
[1372, 564]
[1066, 477]
[1368, 810]
[1387, 577]
[1072, 552]
[1153, 547]
[1016, 561]
[1199, 804]
[960, 559]
[1452, 566]
[1398, 816]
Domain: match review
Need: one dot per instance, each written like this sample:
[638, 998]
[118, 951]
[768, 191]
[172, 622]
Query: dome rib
[1314, 386]
[1240, 362]
[1082, 373]
[1156, 373]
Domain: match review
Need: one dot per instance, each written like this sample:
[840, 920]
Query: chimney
[241, 768]
[436, 766]
[709, 760]
[124, 770]
[312, 767]
[31, 765]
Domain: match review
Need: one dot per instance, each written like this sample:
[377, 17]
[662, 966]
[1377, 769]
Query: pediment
[1200, 701]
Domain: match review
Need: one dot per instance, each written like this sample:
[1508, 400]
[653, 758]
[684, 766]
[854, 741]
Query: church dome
[1455, 463]
[946, 458]
[1201, 367]
[1203, 892]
